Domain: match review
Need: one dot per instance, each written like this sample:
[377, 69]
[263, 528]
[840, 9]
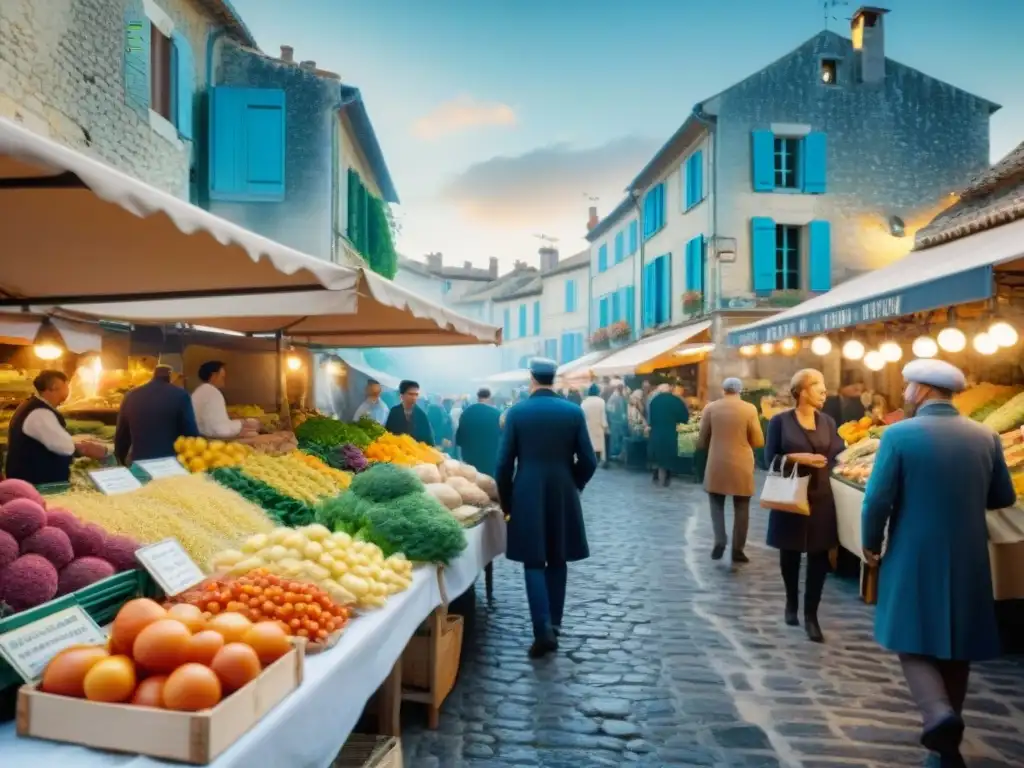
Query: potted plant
[693, 302]
[619, 333]
[599, 339]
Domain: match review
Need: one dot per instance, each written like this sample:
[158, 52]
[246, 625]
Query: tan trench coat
[729, 432]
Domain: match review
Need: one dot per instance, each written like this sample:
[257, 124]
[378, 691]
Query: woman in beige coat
[730, 431]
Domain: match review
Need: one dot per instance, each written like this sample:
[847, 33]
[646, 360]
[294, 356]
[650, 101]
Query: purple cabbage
[350, 458]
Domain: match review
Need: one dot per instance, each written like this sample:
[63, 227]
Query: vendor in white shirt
[39, 447]
[373, 406]
[212, 409]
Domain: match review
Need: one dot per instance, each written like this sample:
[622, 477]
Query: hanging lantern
[294, 362]
[952, 340]
[789, 346]
[925, 347]
[767, 348]
[748, 350]
[821, 346]
[891, 351]
[984, 344]
[874, 360]
[853, 350]
[1003, 334]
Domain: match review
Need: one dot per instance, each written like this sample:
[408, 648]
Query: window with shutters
[787, 258]
[602, 258]
[787, 158]
[247, 145]
[633, 238]
[161, 67]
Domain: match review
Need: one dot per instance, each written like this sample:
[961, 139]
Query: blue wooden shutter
[536, 318]
[523, 330]
[247, 152]
[762, 249]
[649, 296]
[631, 307]
[620, 246]
[763, 153]
[602, 258]
[184, 85]
[615, 311]
[633, 244]
[820, 277]
[568, 295]
[137, 35]
[665, 288]
[695, 264]
[507, 324]
[602, 313]
[813, 162]
[695, 179]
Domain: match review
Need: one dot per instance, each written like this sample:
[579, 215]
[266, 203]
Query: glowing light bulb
[952, 340]
[748, 350]
[984, 344]
[767, 349]
[789, 345]
[853, 350]
[925, 347]
[47, 351]
[1003, 334]
[293, 362]
[821, 346]
[333, 368]
[97, 366]
[874, 360]
[891, 351]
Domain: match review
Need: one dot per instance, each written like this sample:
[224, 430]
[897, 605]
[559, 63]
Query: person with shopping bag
[935, 475]
[802, 445]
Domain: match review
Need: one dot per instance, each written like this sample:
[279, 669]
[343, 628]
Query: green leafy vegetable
[282, 509]
[328, 433]
[384, 482]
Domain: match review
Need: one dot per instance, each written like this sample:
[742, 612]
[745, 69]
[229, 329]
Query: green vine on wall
[371, 228]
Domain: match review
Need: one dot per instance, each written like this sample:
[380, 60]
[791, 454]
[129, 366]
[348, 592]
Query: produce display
[346, 457]
[48, 553]
[984, 395]
[269, 422]
[402, 449]
[295, 477]
[1007, 416]
[273, 443]
[326, 432]
[281, 508]
[203, 515]
[853, 432]
[687, 435]
[198, 454]
[351, 571]
[389, 506]
[168, 658]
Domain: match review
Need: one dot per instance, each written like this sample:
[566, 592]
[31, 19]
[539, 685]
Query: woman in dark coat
[807, 437]
[668, 411]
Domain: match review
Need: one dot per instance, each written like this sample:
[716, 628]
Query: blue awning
[957, 272]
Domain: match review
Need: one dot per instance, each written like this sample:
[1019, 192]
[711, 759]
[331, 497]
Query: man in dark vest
[40, 449]
[152, 417]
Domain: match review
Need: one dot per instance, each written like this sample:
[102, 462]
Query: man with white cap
[935, 475]
[544, 462]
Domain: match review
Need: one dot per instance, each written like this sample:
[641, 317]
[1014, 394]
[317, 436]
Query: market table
[310, 726]
[484, 542]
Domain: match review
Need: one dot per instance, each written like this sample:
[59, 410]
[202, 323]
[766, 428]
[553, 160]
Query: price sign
[170, 566]
[115, 480]
[156, 468]
[29, 649]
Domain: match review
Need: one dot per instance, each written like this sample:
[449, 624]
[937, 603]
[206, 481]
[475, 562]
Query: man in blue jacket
[479, 433]
[407, 418]
[544, 462]
[933, 479]
[152, 417]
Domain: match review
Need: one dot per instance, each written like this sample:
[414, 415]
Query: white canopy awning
[23, 329]
[356, 361]
[957, 272]
[579, 369]
[77, 235]
[628, 360]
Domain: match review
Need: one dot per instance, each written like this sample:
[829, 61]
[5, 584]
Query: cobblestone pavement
[670, 659]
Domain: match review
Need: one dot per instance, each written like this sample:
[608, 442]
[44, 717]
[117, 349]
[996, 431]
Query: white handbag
[785, 493]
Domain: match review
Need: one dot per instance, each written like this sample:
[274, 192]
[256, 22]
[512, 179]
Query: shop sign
[111, 482]
[29, 649]
[170, 566]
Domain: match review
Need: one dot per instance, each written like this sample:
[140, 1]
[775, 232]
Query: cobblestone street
[671, 659]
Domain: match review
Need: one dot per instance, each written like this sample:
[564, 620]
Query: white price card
[170, 566]
[156, 468]
[114, 480]
[29, 649]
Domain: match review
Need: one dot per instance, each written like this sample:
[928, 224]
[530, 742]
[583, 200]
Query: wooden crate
[188, 737]
[419, 662]
[362, 751]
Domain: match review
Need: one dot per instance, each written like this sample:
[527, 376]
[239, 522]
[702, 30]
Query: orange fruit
[269, 641]
[192, 687]
[162, 646]
[150, 692]
[65, 674]
[189, 615]
[236, 664]
[203, 646]
[232, 626]
[134, 616]
[111, 680]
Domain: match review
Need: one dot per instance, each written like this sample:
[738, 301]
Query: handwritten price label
[170, 566]
[29, 649]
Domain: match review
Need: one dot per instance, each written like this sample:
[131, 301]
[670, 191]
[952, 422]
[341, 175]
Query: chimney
[492, 267]
[467, 265]
[435, 261]
[867, 29]
[592, 218]
[287, 54]
[308, 65]
[548, 258]
[519, 265]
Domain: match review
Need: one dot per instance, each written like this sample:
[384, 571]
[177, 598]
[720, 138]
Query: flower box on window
[600, 339]
[619, 331]
[693, 302]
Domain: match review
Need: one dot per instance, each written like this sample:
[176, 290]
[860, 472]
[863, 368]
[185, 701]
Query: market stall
[686, 345]
[576, 373]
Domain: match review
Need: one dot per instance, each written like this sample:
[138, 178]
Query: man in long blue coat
[545, 461]
[934, 477]
[479, 433]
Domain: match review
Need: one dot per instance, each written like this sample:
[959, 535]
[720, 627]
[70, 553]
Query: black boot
[542, 646]
[718, 551]
[739, 556]
[791, 616]
[945, 736]
[813, 629]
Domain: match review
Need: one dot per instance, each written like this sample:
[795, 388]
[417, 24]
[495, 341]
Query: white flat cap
[935, 373]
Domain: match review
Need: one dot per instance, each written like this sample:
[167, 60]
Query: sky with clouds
[500, 120]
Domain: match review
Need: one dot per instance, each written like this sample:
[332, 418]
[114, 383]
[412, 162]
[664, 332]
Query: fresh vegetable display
[292, 476]
[402, 449]
[373, 430]
[199, 454]
[200, 513]
[174, 658]
[1007, 416]
[854, 431]
[331, 432]
[350, 571]
[269, 422]
[389, 506]
[302, 609]
[973, 398]
[283, 509]
[340, 478]
[346, 457]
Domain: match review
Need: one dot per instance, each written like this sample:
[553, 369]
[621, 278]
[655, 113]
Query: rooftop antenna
[546, 239]
[590, 197]
[828, 8]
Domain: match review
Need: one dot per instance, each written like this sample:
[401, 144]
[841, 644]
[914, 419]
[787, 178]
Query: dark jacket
[844, 409]
[817, 532]
[478, 436]
[152, 417]
[440, 423]
[27, 458]
[544, 462]
[417, 426]
[934, 477]
[667, 411]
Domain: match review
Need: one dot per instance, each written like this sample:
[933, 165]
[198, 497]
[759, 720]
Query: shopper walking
[807, 437]
[479, 432]
[618, 427]
[667, 412]
[729, 432]
[596, 411]
[545, 461]
[934, 477]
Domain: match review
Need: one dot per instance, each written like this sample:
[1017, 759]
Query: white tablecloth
[310, 726]
[484, 542]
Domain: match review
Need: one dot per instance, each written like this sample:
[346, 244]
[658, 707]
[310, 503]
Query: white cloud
[462, 114]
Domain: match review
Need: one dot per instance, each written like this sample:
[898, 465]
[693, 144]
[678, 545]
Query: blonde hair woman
[807, 437]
